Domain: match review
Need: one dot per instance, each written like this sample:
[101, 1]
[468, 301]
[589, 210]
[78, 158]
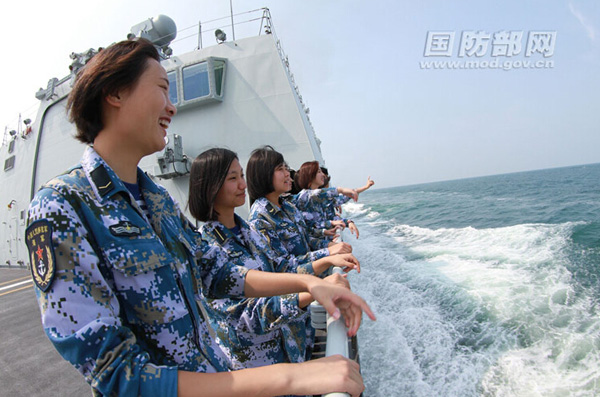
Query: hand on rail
[339, 248]
[346, 261]
[340, 301]
[328, 375]
[338, 279]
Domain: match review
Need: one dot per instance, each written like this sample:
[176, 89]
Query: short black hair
[207, 175]
[259, 171]
[116, 67]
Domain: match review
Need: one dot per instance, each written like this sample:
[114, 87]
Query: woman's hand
[338, 224]
[326, 375]
[330, 232]
[353, 228]
[338, 279]
[340, 301]
[339, 248]
[345, 261]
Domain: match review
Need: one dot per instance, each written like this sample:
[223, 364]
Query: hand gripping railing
[337, 333]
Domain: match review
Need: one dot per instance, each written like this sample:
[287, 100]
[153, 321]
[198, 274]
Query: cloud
[587, 25]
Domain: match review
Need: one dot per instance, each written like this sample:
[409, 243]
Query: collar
[223, 234]
[103, 179]
[105, 182]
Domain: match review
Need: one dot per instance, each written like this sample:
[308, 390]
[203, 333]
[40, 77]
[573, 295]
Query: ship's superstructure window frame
[9, 163]
[198, 82]
[173, 96]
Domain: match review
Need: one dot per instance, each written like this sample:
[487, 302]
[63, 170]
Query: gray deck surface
[29, 364]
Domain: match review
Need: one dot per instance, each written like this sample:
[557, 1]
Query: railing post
[337, 335]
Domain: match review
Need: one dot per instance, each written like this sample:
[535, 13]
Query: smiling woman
[252, 332]
[118, 267]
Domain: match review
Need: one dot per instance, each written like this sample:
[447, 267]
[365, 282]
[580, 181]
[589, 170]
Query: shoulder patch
[38, 238]
[124, 229]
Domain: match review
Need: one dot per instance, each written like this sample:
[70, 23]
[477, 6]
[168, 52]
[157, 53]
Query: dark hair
[115, 68]
[259, 171]
[306, 174]
[295, 189]
[327, 177]
[208, 174]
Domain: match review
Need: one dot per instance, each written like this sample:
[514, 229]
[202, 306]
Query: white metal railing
[337, 333]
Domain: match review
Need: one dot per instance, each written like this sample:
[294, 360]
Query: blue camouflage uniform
[117, 289]
[285, 230]
[317, 206]
[330, 208]
[255, 331]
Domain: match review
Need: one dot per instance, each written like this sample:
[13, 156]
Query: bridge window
[203, 81]
[195, 81]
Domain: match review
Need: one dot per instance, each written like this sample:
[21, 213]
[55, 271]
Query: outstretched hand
[340, 301]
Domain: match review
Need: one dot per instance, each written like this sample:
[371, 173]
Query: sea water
[482, 287]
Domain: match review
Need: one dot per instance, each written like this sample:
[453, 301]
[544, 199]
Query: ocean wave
[470, 312]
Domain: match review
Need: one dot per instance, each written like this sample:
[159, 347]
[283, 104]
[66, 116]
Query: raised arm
[367, 186]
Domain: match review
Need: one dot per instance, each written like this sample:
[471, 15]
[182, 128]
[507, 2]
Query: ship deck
[29, 364]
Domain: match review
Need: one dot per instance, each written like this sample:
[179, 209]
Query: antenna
[231, 11]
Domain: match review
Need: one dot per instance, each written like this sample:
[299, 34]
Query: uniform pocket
[148, 287]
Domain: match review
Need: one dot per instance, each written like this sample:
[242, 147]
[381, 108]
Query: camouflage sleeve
[80, 312]
[218, 276]
[291, 264]
[341, 199]
[318, 247]
[308, 198]
[264, 315]
[215, 275]
[284, 261]
[320, 253]
[267, 230]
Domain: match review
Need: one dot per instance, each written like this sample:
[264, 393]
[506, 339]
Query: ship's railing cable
[199, 31]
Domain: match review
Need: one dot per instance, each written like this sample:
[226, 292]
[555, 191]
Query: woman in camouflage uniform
[274, 214]
[252, 331]
[310, 178]
[117, 266]
[320, 215]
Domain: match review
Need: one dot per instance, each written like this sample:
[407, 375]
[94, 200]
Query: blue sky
[358, 67]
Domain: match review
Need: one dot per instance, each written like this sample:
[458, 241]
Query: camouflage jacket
[117, 290]
[318, 208]
[254, 331]
[286, 231]
[330, 208]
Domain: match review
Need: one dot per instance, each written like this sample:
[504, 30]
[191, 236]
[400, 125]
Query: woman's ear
[114, 99]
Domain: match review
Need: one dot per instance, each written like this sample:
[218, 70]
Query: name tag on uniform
[125, 229]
